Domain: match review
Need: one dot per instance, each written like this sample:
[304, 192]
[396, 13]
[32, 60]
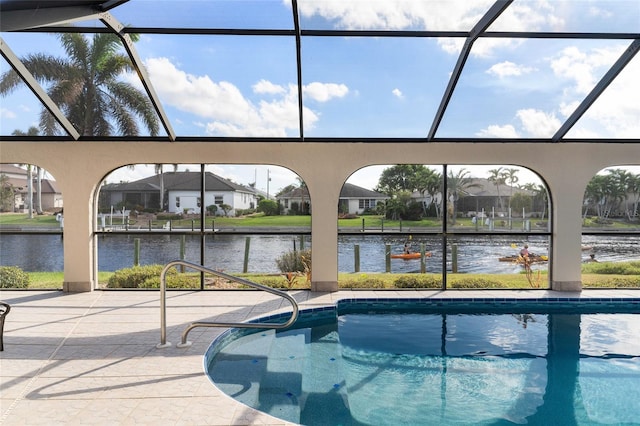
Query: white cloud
[264, 86]
[567, 108]
[494, 131]
[397, 93]
[615, 113]
[581, 66]
[323, 92]
[599, 12]
[538, 123]
[507, 69]
[460, 15]
[6, 113]
[227, 112]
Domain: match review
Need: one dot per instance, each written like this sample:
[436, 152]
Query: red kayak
[407, 256]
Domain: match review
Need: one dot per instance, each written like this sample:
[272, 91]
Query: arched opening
[412, 228]
[248, 220]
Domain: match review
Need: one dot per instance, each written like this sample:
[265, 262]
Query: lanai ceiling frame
[479, 30]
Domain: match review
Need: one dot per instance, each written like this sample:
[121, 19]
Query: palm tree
[428, 181]
[32, 131]
[159, 170]
[540, 199]
[633, 188]
[85, 86]
[511, 179]
[458, 185]
[303, 190]
[497, 177]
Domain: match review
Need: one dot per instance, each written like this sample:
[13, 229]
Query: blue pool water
[427, 362]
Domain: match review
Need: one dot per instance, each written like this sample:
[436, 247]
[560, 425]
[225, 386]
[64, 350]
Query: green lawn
[19, 219]
[599, 275]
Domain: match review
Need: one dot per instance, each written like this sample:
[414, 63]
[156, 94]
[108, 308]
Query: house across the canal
[181, 194]
[16, 179]
[353, 200]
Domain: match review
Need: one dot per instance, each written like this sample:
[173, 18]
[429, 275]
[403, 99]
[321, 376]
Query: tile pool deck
[91, 358]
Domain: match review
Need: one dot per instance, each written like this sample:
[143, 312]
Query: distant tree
[397, 207]
[511, 178]
[212, 209]
[304, 206]
[602, 195]
[7, 195]
[159, 170]
[32, 131]
[540, 199]
[457, 184]
[429, 182]
[226, 208]
[400, 182]
[498, 178]
[268, 207]
[521, 201]
[286, 190]
[401, 177]
[633, 190]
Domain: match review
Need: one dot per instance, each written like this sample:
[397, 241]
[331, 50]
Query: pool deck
[91, 358]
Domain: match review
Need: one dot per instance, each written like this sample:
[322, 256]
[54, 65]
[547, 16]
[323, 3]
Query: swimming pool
[427, 361]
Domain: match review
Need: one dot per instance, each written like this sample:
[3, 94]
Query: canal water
[226, 252]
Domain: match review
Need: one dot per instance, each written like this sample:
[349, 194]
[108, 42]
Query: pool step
[281, 384]
[242, 364]
[325, 400]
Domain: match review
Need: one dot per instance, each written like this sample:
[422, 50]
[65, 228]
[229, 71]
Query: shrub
[295, 261]
[212, 209]
[13, 277]
[173, 280]
[274, 282]
[268, 207]
[136, 276]
[168, 216]
[417, 281]
[475, 283]
[362, 281]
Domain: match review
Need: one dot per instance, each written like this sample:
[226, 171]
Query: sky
[370, 87]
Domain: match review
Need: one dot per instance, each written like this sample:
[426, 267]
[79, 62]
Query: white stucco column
[324, 234]
[566, 248]
[79, 259]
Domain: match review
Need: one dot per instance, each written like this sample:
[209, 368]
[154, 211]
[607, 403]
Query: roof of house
[10, 169]
[348, 190]
[486, 188]
[179, 181]
[295, 193]
[47, 186]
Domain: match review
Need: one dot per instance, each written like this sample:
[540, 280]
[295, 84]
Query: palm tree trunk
[29, 191]
[38, 190]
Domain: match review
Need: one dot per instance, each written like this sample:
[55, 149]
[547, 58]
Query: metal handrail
[163, 305]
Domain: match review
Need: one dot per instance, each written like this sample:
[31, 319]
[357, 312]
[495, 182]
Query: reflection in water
[372, 367]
